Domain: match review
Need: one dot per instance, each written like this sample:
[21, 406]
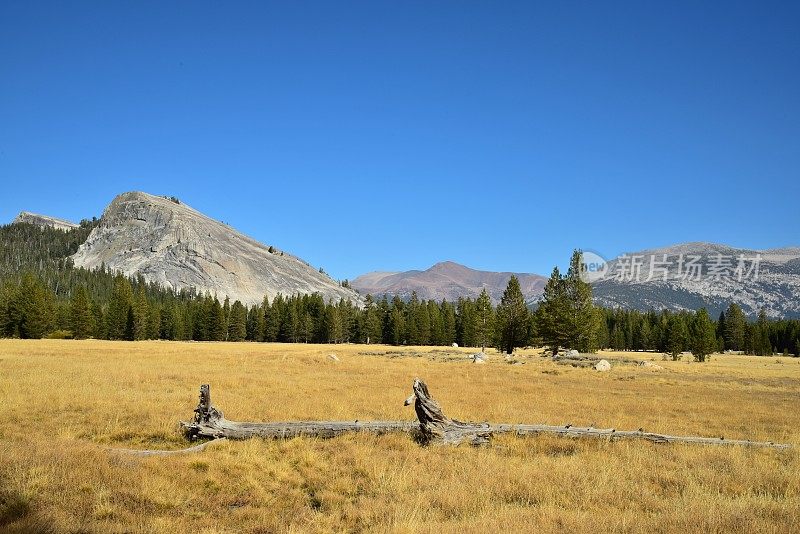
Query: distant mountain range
[171, 244]
[446, 280]
[680, 277]
[694, 275]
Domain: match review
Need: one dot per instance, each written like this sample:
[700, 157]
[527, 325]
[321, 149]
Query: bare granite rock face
[43, 220]
[174, 245]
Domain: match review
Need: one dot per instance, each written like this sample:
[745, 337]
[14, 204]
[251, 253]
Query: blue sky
[391, 135]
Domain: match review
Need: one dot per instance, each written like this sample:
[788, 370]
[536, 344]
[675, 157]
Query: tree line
[42, 294]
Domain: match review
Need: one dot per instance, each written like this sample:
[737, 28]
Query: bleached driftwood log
[433, 427]
[209, 422]
[437, 427]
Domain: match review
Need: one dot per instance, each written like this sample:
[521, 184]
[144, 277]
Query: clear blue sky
[391, 135]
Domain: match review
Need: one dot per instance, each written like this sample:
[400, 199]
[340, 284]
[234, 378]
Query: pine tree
[484, 315]
[217, 330]
[153, 320]
[34, 308]
[272, 318]
[81, 318]
[372, 322]
[466, 323]
[735, 328]
[422, 321]
[677, 336]
[333, 324]
[761, 343]
[551, 316]
[226, 314]
[449, 322]
[582, 317]
[140, 315]
[512, 318]
[397, 326]
[98, 321]
[720, 331]
[642, 334]
[411, 318]
[119, 307]
[237, 326]
[437, 324]
[704, 339]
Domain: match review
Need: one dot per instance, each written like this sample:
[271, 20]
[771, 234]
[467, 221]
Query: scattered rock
[651, 365]
[572, 353]
[602, 365]
[454, 345]
[333, 357]
[479, 357]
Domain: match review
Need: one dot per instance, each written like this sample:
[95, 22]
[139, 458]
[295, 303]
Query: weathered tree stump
[436, 427]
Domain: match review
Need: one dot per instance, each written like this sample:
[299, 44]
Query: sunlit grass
[65, 402]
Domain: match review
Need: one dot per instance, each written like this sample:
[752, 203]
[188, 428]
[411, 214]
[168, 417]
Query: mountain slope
[172, 244]
[446, 280]
[713, 281]
[44, 220]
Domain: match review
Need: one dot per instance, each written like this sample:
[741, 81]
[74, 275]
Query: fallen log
[437, 427]
[210, 423]
[433, 427]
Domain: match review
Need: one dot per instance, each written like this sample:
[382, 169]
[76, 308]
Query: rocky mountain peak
[44, 220]
[172, 244]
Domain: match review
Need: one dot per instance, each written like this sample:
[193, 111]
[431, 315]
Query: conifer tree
[720, 331]
[448, 322]
[677, 336]
[437, 324]
[512, 318]
[81, 318]
[372, 322]
[119, 308]
[704, 339]
[734, 328]
[581, 315]
[551, 315]
[761, 342]
[34, 307]
[484, 319]
[397, 326]
[237, 326]
[217, 330]
[140, 315]
[98, 321]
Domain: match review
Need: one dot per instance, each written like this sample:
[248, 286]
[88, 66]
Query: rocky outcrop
[174, 245]
[44, 220]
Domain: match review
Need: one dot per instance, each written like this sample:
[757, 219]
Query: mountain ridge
[44, 220]
[446, 280]
[719, 274]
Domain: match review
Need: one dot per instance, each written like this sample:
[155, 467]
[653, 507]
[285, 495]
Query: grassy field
[65, 402]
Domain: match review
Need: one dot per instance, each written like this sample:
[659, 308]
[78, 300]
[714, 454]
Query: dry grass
[63, 402]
